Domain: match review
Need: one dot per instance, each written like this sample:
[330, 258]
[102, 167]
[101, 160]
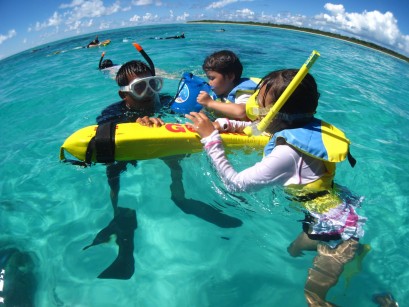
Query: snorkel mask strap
[293, 117]
[146, 57]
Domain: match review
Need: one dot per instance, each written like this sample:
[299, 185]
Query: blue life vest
[322, 141]
[317, 139]
[246, 86]
[188, 90]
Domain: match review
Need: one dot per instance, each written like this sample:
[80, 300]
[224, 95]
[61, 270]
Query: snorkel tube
[100, 60]
[266, 121]
[146, 57]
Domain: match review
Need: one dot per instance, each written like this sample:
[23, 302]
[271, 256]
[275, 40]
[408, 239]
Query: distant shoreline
[313, 31]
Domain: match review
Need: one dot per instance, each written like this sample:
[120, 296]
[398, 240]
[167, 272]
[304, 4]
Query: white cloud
[147, 2]
[55, 20]
[336, 9]
[75, 26]
[149, 17]
[382, 27]
[220, 4]
[10, 34]
[245, 14]
[92, 9]
[374, 25]
[135, 18]
[182, 17]
[286, 19]
[104, 25]
[72, 4]
[78, 11]
[142, 2]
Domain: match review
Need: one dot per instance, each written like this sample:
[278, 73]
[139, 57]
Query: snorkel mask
[253, 109]
[140, 87]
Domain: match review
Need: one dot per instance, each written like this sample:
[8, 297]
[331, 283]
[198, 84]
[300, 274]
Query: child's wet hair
[131, 68]
[106, 63]
[224, 62]
[303, 100]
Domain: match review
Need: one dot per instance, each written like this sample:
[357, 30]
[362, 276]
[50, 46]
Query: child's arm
[231, 110]
[226, 125]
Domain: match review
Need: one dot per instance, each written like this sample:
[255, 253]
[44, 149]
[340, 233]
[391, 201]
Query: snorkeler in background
[95, 42]
[170, 37]
[104, 63]
[107, 66]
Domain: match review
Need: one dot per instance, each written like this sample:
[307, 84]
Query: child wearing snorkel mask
[139, 90]
[301, 157]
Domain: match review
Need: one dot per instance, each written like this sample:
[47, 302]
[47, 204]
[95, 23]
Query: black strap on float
[102, 144]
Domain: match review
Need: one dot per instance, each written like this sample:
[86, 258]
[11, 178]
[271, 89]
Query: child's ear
[121, 94]
[231, 77]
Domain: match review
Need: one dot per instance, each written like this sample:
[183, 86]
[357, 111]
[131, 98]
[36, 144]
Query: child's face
[258, 105]
[264, 98]
[221, 84]
[148, 101]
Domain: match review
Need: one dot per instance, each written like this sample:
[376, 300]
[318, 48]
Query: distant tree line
[334, 35]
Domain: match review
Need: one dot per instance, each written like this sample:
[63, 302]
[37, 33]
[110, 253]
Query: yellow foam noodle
[136, 142]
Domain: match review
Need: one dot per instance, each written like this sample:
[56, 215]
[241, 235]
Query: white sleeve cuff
[211, 139]
[224, 124]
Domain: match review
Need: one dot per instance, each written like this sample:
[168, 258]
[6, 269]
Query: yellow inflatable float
[132, 141]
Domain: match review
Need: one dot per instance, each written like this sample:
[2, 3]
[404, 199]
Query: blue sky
[29, 23]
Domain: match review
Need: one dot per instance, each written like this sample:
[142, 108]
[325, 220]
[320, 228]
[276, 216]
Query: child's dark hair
[224, 62]
[106, 63]
[303, 100]
[130, 68]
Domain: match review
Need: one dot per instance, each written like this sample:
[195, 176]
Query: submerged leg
[123, 266]
[193, 206]
[123, 225]
[113, 172]
[300, 244]
[328, 266]
[354, 267]
[103, 235]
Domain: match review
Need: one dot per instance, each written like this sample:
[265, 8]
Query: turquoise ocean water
[53, 210]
